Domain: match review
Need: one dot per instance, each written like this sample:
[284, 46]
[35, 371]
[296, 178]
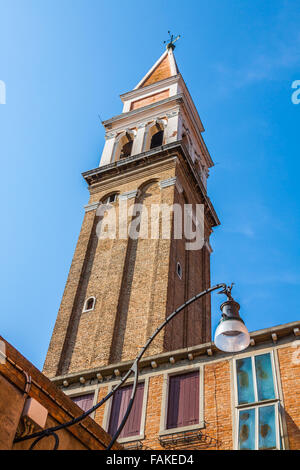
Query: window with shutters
[132, 428]
[183, 401]
[257, 403]
[84, 401]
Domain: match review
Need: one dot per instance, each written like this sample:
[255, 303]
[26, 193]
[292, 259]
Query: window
[119, 406]
[257, 403]
[157, 139]
[123, 145]
[179, 270]
[84, 401]
[183, 400]
[109, 199]
[89, 304]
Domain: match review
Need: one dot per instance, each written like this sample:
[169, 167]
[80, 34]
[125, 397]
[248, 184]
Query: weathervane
[170, 44]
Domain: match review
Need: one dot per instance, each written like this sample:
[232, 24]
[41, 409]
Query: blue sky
[64, 62]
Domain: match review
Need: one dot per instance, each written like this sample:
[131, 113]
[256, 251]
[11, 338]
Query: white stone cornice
[128, 195]
[141, 114]
[167, 183]
[149, 89]
[110, 135]
[173, 113]
[142, 125]
[91, 207]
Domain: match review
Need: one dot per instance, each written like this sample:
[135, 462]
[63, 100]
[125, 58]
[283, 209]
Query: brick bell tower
[120, 289]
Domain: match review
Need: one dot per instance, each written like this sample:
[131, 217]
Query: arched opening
[110, 198]
[154, 135]
[157, 139]
[123, 145]
[126, 149]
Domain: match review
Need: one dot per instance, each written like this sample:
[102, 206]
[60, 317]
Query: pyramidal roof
[165, 67]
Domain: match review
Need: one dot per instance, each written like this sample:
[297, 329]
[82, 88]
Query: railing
[187, 439]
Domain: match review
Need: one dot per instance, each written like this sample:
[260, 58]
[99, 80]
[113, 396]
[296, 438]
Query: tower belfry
[119, 289]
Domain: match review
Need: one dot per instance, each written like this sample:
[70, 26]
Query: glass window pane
[245, 380]
[247, 429]
[267, 428]
[264, 377]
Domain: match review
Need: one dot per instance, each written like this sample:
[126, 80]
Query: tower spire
[165, 67]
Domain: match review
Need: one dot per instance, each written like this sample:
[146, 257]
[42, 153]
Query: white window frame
[85, 304]
[258, 404]
[165, 401]
[256, 407]
[108, 408]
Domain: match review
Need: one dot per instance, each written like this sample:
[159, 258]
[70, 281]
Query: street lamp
[231, 336]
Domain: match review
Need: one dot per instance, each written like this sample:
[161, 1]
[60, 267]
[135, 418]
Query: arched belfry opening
[154, 136]
[126, 149]
[123, 145]
[157, 139]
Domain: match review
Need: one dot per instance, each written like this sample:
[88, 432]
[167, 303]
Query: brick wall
[219, 403]
[290, 381]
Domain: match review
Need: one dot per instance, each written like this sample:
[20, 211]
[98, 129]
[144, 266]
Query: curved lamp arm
[133, 370]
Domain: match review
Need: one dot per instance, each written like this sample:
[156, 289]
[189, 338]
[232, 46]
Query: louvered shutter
[84, 401]
[183, 400]
[119, 407]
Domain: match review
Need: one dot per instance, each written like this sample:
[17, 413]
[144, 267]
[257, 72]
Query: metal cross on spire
[170, 43]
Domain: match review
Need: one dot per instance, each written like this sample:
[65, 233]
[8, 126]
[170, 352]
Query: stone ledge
[208, 350]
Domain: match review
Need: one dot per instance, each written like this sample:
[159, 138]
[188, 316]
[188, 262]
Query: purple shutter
[84, 401]
[119, 407]
[183, 401]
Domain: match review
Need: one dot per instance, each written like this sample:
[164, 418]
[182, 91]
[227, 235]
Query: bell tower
[122, 285]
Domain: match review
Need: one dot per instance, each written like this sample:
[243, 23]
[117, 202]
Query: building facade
[123, 283]
[199, 398]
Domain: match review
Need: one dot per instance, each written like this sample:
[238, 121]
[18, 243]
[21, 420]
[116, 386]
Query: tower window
[126, 149]
[109, 199]
[179, 270]
[89, 304]
[157, 139]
